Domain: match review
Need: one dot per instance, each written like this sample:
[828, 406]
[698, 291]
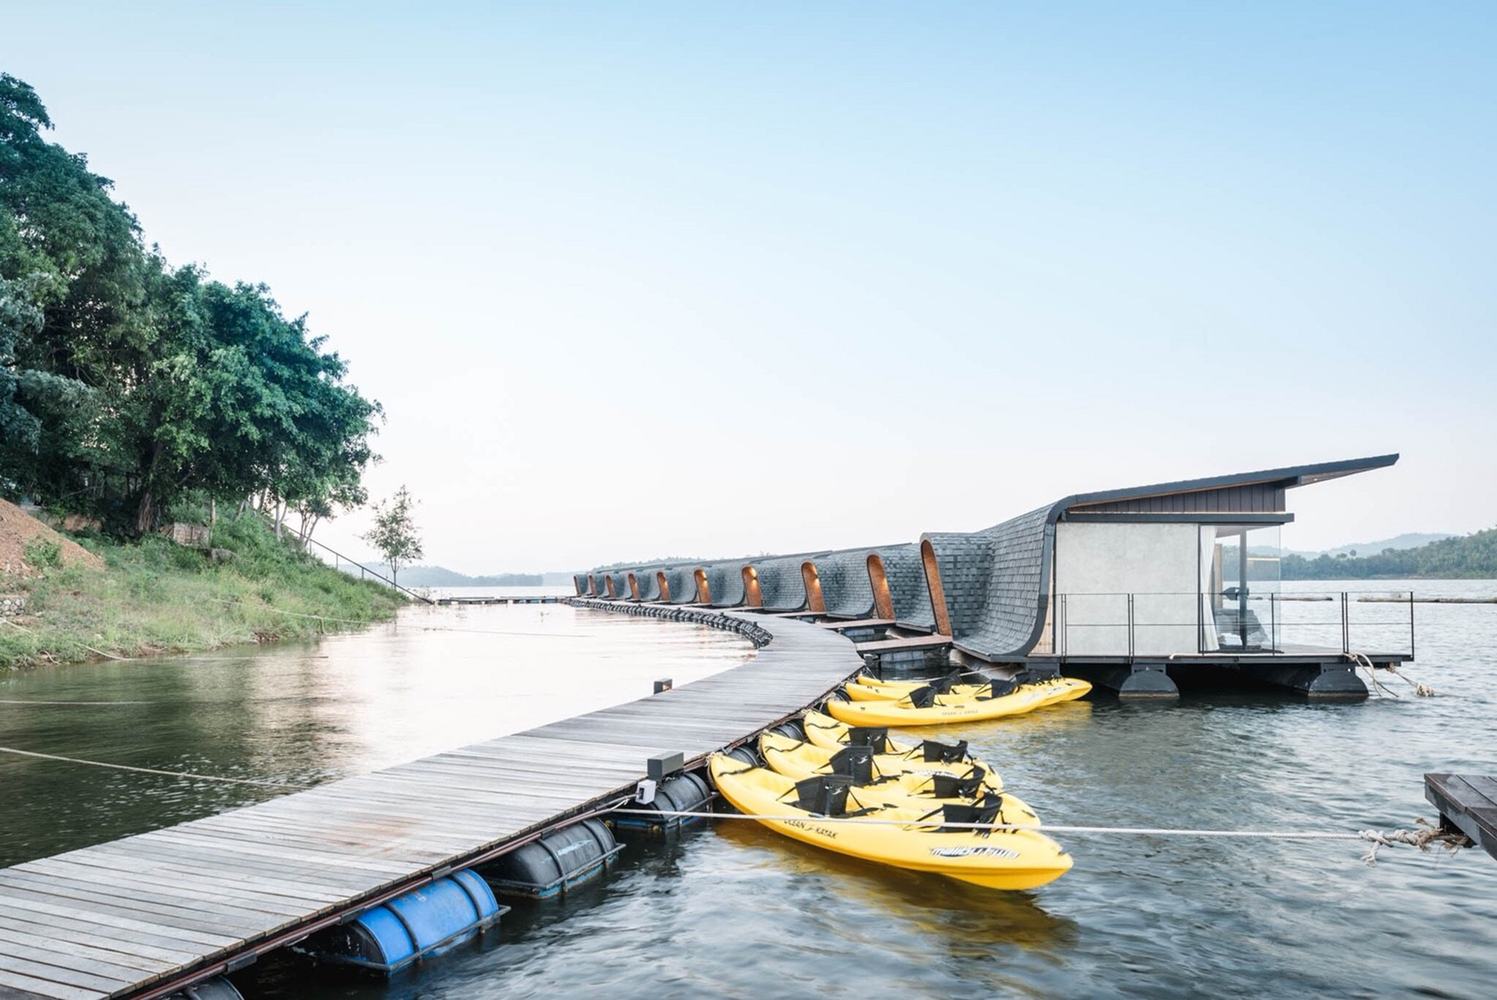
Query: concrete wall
[1098, 565]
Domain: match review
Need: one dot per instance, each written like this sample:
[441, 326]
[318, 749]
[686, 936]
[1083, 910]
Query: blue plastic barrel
[421, 924]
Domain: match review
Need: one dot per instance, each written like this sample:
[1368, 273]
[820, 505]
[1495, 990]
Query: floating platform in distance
[1468, 803]
[484, 599]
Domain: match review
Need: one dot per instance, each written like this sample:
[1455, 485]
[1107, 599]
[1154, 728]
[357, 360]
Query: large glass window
[1240, 587]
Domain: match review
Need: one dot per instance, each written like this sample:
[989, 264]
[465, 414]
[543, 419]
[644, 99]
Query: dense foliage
[1472, 556]
[127, 385]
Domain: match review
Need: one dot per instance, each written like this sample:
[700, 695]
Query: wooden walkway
[145, 915]
[1467, 802]
[910, 642]
[837, 626]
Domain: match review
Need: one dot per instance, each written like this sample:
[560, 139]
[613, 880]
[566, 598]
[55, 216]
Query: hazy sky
[646, 279]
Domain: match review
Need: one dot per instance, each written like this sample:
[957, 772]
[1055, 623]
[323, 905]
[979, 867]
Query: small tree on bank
[394, 532]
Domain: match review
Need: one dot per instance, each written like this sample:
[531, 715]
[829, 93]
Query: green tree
[394, 532]
[130, 384]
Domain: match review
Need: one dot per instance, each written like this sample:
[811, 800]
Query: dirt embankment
[19, 529]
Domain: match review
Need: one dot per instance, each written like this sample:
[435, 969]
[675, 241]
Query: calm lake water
[735, 910]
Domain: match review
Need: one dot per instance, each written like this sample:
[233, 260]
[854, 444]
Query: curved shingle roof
[996, 581]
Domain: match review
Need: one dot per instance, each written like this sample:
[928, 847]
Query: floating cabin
[1139, 590]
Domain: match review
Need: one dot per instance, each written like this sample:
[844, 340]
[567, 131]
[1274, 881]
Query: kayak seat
[949, 786]
[826, 795]
[876, 738]
[854, 762]
[922, 697]
[983, 811]
[943, 752]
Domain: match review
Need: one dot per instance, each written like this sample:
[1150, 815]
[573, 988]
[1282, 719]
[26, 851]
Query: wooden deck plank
[170, 952]
[110, 891]
[10, 928]
[123, 965]
[22, 987]
[212, 898]
[66, 977]
[905, 643]
[228, 926]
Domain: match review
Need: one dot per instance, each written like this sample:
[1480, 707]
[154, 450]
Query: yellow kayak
[996, 859]
[896, 780]
[866, 687]
[825, 731]
[939, 709]
[890, 758]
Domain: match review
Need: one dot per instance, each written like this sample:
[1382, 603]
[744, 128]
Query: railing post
[1346, 626]
[1273, 624]
[1411, 624]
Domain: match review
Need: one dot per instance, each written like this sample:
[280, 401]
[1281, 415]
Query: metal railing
[340, 560]
[1132, 625]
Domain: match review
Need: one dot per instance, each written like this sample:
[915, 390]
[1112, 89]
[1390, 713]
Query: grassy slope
[157, 597]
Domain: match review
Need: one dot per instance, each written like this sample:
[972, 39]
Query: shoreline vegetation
[1464, 557]
[155, 598]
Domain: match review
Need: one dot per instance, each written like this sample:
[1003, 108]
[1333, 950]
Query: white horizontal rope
[150, 770]
[1047, 828]
[19, 701]
[424, 628]
[1420, 838]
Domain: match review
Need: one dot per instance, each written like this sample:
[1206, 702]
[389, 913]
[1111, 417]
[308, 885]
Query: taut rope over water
[1421, 838]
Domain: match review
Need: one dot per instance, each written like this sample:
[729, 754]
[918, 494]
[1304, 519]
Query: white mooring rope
[1364, 662]
[1422, 838]
[149, 770]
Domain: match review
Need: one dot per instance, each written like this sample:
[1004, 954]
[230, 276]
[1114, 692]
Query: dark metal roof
[1286, 478]
[1001, 613]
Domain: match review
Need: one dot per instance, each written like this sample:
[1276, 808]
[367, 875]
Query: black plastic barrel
[685, 792]
[217, 988]
[792, 729]
[746, 754]
[556, 862]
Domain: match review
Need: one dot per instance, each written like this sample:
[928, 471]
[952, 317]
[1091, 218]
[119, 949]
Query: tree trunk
[145, 513]
[280, 515]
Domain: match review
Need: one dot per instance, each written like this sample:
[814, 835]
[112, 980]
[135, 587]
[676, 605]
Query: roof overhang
[1285, 478]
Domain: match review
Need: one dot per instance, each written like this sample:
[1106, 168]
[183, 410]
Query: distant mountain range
[1408, 540]
[1471, 556]
[438, 576]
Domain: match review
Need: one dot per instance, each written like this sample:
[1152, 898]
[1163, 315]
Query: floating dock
[151, 914]
[496, 599]
[1468, 803]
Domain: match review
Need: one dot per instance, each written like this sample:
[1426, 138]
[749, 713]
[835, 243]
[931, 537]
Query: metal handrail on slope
[339, 558]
